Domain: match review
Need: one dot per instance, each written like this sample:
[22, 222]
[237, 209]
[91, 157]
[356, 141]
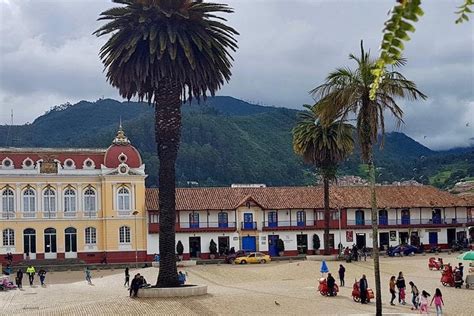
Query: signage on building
[349, 236]
[393, 235]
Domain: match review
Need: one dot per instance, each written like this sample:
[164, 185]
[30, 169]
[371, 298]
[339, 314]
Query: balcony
[411, 222]
[29, 215]
[69, 214]
[288, 225]
[8, 215]
[248, 225]
[154, 228]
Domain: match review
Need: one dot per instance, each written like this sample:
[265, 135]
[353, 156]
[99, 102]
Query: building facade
[73, 203]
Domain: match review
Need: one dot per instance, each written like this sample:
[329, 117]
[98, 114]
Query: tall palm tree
[164, 51]
[346, 91]
[324, 144]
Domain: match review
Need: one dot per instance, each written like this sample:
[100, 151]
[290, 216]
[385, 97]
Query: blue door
[360, 217]
[249, 244]
[223, 219]
[405, 217]
[272, 219]
[433, 237]
[273, 245]
[301, 218]
[383, 217]
[248, 221]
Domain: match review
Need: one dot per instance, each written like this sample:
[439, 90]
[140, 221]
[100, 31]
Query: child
[424, 302]
[438, 300]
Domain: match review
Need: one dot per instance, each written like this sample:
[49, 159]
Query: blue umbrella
[324, 267]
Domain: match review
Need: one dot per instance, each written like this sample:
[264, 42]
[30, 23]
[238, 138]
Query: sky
[49, 57]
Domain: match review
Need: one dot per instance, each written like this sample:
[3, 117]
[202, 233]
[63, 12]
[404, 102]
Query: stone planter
[183, 291]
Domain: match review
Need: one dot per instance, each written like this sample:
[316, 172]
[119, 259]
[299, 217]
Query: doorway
[360, 240]
[302, 244]
[29, 243]
[451, 235]
[273, 245]
[248, 221]
[433, 239]
[403, 238]
[414, 239]
[223, 245]
[50, 247]
[384, 240]
[249, 243]
[71, 243]
[194, 247]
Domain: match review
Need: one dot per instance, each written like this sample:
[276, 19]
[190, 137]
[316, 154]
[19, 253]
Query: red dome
[117, 154]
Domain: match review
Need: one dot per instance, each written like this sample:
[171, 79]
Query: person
[104, 258]
[461, 269]
[424, 302]
[8, 269]
[438, 300]
[181, 278]
[342, 272]
[31, 274]
[401, 288]
[135, 285]
[127, 278]
[88, 275]
[392, 289]
[156, 257]
[9, 257]
[19, 278]
[42, 276]
[143, 282]
[415, 293]
[347, 255]
[364, 253]
[363, 286]
[354, 252]
[330, 282]
[458, 280]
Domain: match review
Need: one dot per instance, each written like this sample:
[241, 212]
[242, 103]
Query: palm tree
[346, 91]
[325, 145]
[164, 51]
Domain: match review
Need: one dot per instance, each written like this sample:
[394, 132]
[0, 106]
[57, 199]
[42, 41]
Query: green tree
[164, 51]
[347, 91]
[325, 145]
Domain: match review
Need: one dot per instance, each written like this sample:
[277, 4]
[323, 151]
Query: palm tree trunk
[326, 216]
[375, 236]
[167, 133]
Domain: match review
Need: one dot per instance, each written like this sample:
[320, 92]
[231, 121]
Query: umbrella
[324, 267]
[465, 256]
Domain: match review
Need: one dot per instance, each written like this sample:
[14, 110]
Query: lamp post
[135, 213]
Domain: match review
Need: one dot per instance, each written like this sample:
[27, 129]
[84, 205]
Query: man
[330, 282]
[342, 272]
[127, 278]
[363, 286]
[19, 278]
[42, 275]
[31, 274]
[461, 268]
[135, 285]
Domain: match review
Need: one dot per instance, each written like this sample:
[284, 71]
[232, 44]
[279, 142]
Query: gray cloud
[48, 56]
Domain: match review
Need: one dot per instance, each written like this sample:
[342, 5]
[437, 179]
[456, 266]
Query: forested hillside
[226, 140]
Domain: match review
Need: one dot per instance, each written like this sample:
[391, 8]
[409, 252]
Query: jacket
[30, 270]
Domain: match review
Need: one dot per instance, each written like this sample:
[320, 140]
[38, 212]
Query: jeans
[393, 296]
[413, 300]
[439, 310]
[31, 278]
[342, 281]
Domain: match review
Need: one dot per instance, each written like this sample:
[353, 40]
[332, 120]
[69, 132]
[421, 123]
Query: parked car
[405, 250]
[254, 257]
[231, 257]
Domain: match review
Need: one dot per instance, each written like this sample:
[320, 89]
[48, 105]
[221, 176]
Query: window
[301, 218]
[89, 200]
[335, 215]
[8, 200]
[29, 200]
[272, 219]
[123, 199]
[154, 218]
[194, 220]
[319, 215]
[405, 217]
[91, 236]
[223, 219]
[124, 235]
[359, 217]
[70, 201]
[49, 199]
[8, 237]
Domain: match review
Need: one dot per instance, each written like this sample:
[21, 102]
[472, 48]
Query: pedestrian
[424, 302]
[181, 278]
[461, 269]
[42, 276]
[342, 272]
[135, 285]
[363, 286]
[31, 274]
[401, 288]
[331, 282]
[364, 252]
[88, 274]
[415, 293]
[19, 278]
[392, 289]
[127, 278]
[438, 300]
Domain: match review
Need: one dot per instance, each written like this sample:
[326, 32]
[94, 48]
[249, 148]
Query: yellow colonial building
[73, 203]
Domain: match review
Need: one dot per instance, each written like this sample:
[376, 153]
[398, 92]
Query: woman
[401, 288]
[415, 293]
[392, 289]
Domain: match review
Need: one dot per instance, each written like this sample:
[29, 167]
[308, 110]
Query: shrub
[316, 242]
[179, 248]
[213, 247]
[280, 245]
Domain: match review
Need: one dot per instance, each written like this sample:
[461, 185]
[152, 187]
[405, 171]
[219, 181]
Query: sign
[349, 236]
[235, 238]
[393, 235]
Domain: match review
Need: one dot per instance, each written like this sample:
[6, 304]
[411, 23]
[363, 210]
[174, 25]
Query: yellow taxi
[253, 257]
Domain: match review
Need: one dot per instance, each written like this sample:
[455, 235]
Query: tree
[164, 51]
[213, 247]
[324, 144]
[347, 91]
[179, 248]
[316, 242]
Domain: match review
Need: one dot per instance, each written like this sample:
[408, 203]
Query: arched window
[29, 200]
[123, 199]
[124, 235]
[8, 201]
[70, 201]
[360, 217]
[89, 200]
[49, 200]
[8, 237]
[91, 236]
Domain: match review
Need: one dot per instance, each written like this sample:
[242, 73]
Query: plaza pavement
[287, 288]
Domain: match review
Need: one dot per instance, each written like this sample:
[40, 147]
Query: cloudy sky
[48, 57]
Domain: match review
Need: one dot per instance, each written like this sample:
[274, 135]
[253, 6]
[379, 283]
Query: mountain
[226, 140]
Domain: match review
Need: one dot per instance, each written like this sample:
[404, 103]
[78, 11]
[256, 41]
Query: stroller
[434, 264]
[323, 288]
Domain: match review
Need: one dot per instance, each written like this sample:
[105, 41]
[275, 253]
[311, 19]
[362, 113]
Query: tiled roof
[307, 197]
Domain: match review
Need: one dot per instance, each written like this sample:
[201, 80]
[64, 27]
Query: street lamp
[135, 213]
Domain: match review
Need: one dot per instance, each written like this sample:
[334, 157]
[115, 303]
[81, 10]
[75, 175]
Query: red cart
[356, 293]
[323, 287]
[447, 276]
[435, 264]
